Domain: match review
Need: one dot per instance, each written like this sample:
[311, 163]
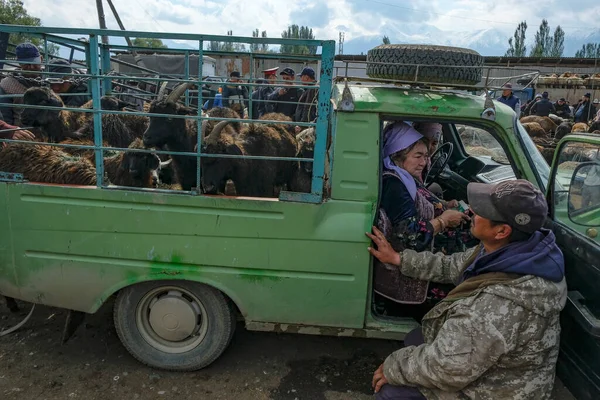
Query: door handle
[576, 308]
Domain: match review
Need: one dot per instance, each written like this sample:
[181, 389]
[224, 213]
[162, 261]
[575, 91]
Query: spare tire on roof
[468, 72]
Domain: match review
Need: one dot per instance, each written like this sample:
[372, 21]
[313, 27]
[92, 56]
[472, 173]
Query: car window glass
[480, 143]
[577, 189]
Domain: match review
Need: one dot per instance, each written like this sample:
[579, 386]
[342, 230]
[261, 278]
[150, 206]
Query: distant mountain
[488, 42]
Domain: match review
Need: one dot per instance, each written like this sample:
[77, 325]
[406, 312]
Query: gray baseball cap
[516, 203]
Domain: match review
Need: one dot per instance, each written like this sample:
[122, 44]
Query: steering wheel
[439, 160]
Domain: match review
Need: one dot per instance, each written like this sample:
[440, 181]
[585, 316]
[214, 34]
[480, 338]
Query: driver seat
[388, 281]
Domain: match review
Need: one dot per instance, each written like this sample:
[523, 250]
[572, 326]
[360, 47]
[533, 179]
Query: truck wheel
[174, 325]
[439, 56]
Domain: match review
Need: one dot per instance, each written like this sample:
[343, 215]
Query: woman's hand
[452, 203]
[454, 218]
[384, 253]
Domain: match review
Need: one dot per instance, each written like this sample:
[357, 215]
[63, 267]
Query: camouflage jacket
[499, 342]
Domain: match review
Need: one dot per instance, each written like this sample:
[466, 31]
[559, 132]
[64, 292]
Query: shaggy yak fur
[545, 122]
[181, 135]
[595, 126]
[46, 164]
[302, 176]
[58, 125]
[289, 125]
[534, 129]
[257, 178]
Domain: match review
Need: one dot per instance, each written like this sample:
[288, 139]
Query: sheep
[563, 130]
[302, 176]
[258, 178]
[46, 164]
[57, 125]
[546, 123]
[49, 164]
[556, 119]
[534, 129]
[595, 126]
[580, 127]
[181, 135]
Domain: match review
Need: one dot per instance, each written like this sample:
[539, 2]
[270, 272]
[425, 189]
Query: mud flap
[73, 321]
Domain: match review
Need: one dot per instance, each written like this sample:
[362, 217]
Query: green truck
[184, 267]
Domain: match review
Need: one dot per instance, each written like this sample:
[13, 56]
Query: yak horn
[161, 90]
[203, 128]
[179, 91]
[164, 164]
[219, 127]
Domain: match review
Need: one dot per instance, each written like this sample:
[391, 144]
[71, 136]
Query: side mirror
[584, 195]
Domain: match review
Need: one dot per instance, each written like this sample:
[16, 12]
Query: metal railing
[103, 81]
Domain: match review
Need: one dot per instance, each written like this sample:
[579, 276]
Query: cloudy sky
[357, 18]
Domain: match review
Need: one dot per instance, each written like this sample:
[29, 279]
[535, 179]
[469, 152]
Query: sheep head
[138, 169]
[41, 96]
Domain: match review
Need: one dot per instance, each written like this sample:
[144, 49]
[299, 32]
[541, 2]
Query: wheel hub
[173, 318]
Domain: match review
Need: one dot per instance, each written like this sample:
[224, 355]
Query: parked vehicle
[183, 265]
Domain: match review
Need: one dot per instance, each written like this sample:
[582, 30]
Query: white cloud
[358, 18]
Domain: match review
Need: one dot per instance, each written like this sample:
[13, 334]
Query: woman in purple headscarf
[419, 218]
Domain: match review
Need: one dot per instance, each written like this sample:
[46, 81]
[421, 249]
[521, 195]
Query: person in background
[510, 99]
[256, 103]
[543, 107]
[306, 111]
[583, 112]
[496, 335]
[18, 83]
[270, 76]
[537, 98]
[285, 99]
[235, 96]
[72, 94]
[562, 108]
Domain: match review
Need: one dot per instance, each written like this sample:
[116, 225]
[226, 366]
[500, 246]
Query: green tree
[147, 42]
[297, 32]
[589, 50]
[542, 45]
[558, 43]
[386, 40]
[517, 48]
[13, 12]
[226, 46]
[259, 48]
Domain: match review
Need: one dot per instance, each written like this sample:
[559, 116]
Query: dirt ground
[94, 365]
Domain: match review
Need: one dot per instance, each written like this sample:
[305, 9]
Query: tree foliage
[542, 42]
[259, 48]
[226, 46]
[13, 12]
[589, 50]
[386, 40]
[297, 32]
[517, 48]
[147, 42]
[558, 43]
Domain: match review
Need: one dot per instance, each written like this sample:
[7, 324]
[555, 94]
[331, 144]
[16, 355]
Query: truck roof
[437, 103]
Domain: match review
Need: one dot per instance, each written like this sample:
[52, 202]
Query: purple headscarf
[398, 136]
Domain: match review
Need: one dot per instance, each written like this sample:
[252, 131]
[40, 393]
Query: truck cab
[183, 266]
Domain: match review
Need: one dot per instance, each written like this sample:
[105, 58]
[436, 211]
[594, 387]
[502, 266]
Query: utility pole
[101, 19]
[138, 59]
[341, 43]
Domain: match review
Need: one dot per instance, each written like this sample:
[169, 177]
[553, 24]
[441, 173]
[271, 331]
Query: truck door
[574, 198]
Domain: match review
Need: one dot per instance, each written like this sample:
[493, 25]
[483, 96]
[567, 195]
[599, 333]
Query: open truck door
[574, 200]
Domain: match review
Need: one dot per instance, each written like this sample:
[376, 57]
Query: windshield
[539, 163]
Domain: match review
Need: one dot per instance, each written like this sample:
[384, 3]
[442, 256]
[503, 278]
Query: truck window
[478, 142]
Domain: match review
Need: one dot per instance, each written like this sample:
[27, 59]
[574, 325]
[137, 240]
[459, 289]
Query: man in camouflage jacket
[496, 335]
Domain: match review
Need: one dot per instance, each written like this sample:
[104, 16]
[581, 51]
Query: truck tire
[174, 325]
[438, 56]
